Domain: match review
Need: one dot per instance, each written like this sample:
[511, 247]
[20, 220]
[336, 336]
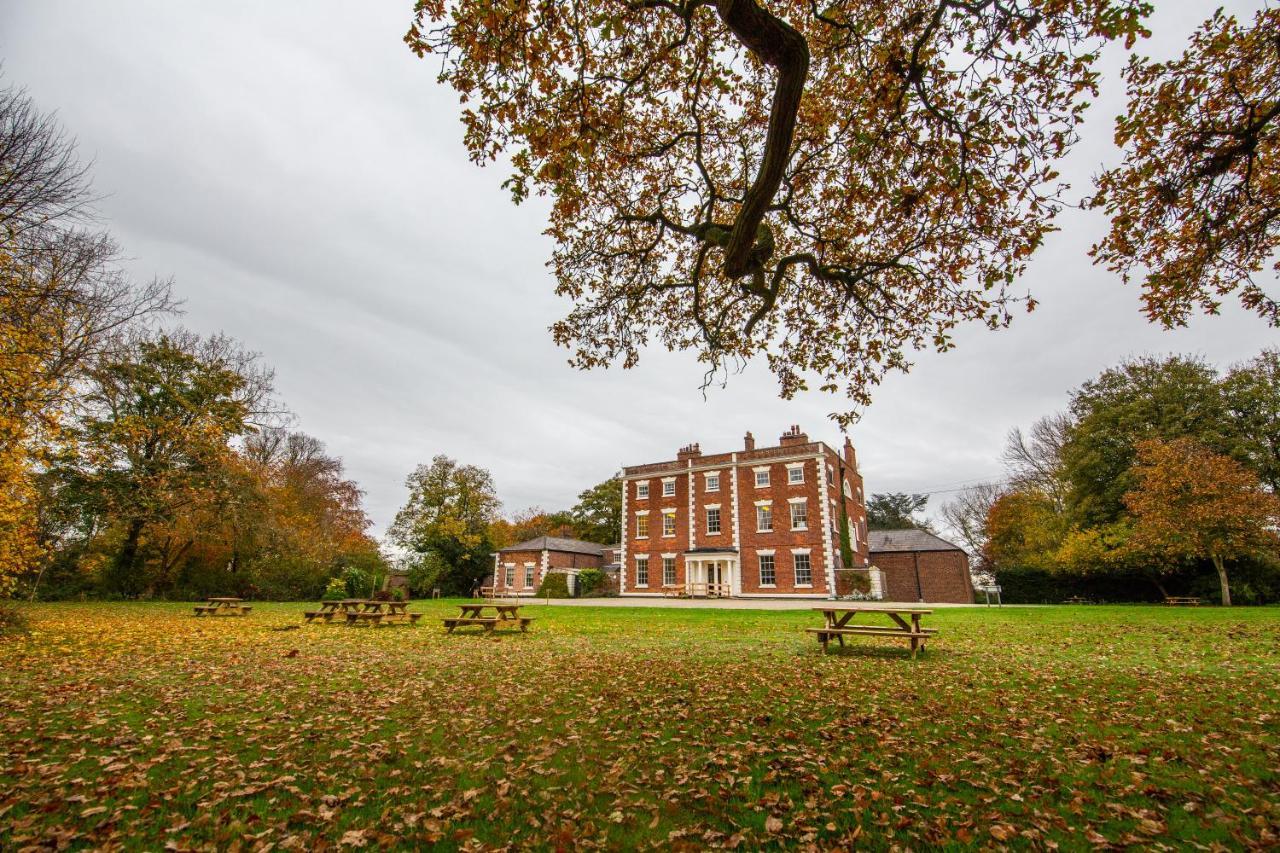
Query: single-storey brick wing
[519, 569]
[916, 565]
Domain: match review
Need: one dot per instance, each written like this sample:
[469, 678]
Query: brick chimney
[793, 436]
[749, 442]
[689, 451]
[850, 457]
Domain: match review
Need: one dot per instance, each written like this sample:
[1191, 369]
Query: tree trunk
[124, 572]
[1164, 593]
[1222, 579]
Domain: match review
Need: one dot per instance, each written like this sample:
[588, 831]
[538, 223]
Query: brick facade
[694, 487]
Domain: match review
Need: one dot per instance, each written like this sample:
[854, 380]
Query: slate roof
[556, 543]
[882, 541]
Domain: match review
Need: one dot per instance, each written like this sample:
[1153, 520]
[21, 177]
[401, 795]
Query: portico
[712, 572]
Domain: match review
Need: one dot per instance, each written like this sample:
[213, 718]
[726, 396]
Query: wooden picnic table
[223, 606]
[474, 614]
[364, 611]
[1182, 600]
[906, 624]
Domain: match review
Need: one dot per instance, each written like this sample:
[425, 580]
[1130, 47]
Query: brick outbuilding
[519, 569]
[919, 566]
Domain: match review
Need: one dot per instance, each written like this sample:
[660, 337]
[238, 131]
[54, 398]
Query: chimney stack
[850, 458]
[749, 442]
[793, 436]
[689, 451]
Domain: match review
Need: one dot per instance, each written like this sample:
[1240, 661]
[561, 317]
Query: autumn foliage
[1193, 205]
[825, 186]
[1192, 503]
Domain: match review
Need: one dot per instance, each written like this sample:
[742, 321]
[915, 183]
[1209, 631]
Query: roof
[908, 540]
[556, 543]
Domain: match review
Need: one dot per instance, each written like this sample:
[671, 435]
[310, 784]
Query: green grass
[138, 725]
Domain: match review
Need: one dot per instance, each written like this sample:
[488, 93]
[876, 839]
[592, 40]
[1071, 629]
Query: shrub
[397, 594]
[336, 590]
[359, 583]
[554, 585]
[590, 581]
[12, 620]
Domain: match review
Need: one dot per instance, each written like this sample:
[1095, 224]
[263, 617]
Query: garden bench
[1176, 600]
[837, 625]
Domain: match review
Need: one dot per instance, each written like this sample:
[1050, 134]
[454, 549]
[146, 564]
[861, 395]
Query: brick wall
[519, 558]
[944, 576]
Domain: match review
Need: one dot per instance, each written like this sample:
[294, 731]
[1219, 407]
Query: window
[764, 518]
[511, 575]
[713, 520]
[642, 571]
[799, 515]
[669, 524]
[768, 575]
[669, 571]
[668, 488]
[804, 571]
[642, 489]
[762, 478]
[528, 575]
[831, 476]
[795, 473]
[642, 526]
[713, 482]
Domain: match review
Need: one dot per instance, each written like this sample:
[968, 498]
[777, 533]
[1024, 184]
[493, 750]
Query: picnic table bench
[223, 606]
[837, 617]
[1076, 599]
[1176, 600]
[474, 614]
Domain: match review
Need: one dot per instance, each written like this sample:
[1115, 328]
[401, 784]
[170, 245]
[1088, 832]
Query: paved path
[716, 603]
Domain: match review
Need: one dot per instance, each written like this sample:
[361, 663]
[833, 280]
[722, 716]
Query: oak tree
[1189, 502]
[824, 185]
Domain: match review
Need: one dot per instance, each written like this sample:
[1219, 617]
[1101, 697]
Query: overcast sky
[301, 176]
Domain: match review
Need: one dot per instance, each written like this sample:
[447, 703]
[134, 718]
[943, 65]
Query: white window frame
[668, 562]
[768, 505]
[763, 469]
[528, 575]
[642, 489]
[773, 567]
[668, 514]
[791, 504]
[642, 562]
[642, 513]
[801, 552]
[510, 576]
[719, 521]
[792, 469]
[712, 477]
[668, 487]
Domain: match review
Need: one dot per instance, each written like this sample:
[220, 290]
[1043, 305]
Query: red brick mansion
[760, 521]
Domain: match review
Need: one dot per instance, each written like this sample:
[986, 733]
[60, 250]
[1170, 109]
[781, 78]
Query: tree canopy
[446, 524]
[895, 511]
[1193, 207]
[826, 186]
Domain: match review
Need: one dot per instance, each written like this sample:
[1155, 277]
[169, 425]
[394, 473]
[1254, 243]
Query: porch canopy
[712, 572]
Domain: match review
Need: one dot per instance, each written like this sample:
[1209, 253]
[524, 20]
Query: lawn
[139, 726]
